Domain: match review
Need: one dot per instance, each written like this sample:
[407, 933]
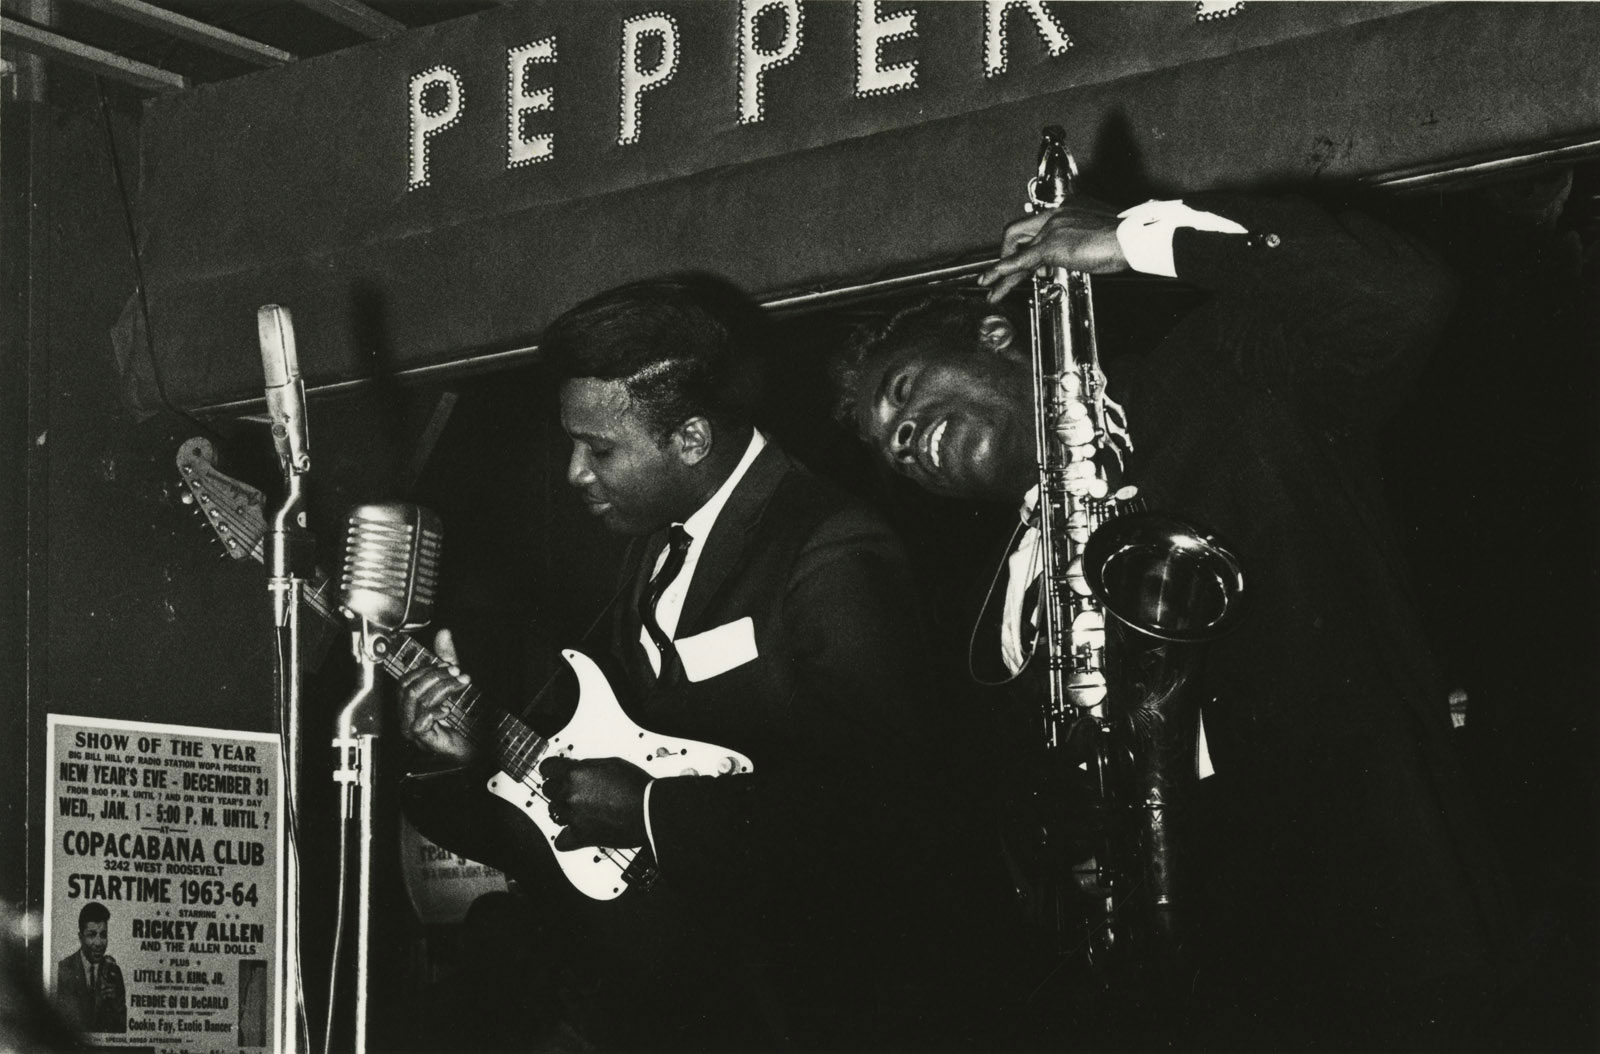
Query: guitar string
[532, 745]
[529, 747]
[527, 750]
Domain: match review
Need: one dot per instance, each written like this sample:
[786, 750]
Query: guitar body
[600, 729]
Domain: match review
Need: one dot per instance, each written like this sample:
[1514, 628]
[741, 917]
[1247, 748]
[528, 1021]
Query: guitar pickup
[641, 873]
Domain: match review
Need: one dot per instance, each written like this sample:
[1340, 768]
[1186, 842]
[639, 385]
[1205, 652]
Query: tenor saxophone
[1103, 554]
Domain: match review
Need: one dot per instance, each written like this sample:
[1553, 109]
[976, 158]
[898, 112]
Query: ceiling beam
[192, 30]
[357, 16]
[96, 60]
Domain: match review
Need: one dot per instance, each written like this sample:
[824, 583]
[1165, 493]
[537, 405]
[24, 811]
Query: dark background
[116, 604]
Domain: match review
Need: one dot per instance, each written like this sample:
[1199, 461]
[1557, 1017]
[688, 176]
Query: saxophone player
[1349, 893]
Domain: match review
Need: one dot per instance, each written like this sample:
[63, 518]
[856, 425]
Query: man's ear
[996, 334]
[692, 440]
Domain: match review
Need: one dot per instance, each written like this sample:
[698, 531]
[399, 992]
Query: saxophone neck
[1057, 172]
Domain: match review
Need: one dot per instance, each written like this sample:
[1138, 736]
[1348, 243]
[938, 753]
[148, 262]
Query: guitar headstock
[233, 509]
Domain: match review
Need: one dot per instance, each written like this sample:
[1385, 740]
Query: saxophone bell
[1164, 577]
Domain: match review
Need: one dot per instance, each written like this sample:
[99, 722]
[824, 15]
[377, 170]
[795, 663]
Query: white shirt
[1146, 231]
[670, 607]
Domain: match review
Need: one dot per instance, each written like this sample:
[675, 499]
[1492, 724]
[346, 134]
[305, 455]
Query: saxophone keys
[1075, 580]
[1086, 689]
[1076, 431]
[1089, 630]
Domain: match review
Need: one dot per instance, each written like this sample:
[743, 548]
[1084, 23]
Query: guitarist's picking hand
[425, 696]
[598, 801]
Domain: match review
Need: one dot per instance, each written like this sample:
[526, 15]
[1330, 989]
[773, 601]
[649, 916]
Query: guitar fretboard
[236, 512]
[517, 747]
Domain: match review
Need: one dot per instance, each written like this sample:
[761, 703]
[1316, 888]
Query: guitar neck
[516, 747]
[236, 511]
[319, 597]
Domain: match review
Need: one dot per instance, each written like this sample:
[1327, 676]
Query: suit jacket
[79, 1003]
[789, 874]
[1259, 417]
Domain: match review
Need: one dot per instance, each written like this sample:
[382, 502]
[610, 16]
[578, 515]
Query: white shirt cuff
[1145, 233]
[648, 833]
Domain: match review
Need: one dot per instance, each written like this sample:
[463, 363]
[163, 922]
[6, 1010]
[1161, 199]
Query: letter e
[522, 149]
[872, 33]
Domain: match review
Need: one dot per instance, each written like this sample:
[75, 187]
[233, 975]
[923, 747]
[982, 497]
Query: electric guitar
[236, 511]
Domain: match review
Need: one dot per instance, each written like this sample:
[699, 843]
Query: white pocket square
[717, 650]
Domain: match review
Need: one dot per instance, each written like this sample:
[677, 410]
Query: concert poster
[163, 880]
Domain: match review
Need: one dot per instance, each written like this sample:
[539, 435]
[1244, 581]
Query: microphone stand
[290, 558]
[355, 735]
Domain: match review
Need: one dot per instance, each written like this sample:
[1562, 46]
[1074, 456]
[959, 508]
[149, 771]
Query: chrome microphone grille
[391, 564]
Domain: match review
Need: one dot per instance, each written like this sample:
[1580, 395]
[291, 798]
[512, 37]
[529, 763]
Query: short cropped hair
[94, 911]
[946, 322]
[683, 345]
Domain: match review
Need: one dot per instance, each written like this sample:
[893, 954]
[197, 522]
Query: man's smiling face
[958, 422]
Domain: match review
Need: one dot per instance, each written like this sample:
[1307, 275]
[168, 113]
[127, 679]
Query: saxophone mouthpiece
[1057, 174]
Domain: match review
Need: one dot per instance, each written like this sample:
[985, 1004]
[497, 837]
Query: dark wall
[15, 140]
[1496, 476]
[117, 600]
[111, 607]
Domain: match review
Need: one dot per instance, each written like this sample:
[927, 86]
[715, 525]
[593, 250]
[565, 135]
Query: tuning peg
[187, 498]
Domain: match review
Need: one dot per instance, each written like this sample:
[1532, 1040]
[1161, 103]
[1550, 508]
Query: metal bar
[192, 30]
[356, 16]
[96, 60]
[1571, 153]
[823, 297]
[249, 408]
[1398, 182]
[252, 409]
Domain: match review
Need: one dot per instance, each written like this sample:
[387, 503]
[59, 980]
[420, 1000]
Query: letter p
[430, 115]
[635, 80]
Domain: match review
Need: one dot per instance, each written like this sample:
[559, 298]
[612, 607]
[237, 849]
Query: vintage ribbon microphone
[391, 573]
[290, 560]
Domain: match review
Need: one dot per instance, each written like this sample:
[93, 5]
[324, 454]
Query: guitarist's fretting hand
[597, 802]
[425, 696]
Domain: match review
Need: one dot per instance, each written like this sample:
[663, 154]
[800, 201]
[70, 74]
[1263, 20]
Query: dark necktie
[678, 541]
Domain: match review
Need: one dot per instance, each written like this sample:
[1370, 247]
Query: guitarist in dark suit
[769, 613]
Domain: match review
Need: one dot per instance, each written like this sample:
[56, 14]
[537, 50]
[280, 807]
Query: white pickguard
[599, 729]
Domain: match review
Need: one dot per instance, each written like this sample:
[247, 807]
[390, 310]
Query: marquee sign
[542, 102]
[650, 56]
[449, 190]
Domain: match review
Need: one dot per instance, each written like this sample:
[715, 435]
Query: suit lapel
[725, 549]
